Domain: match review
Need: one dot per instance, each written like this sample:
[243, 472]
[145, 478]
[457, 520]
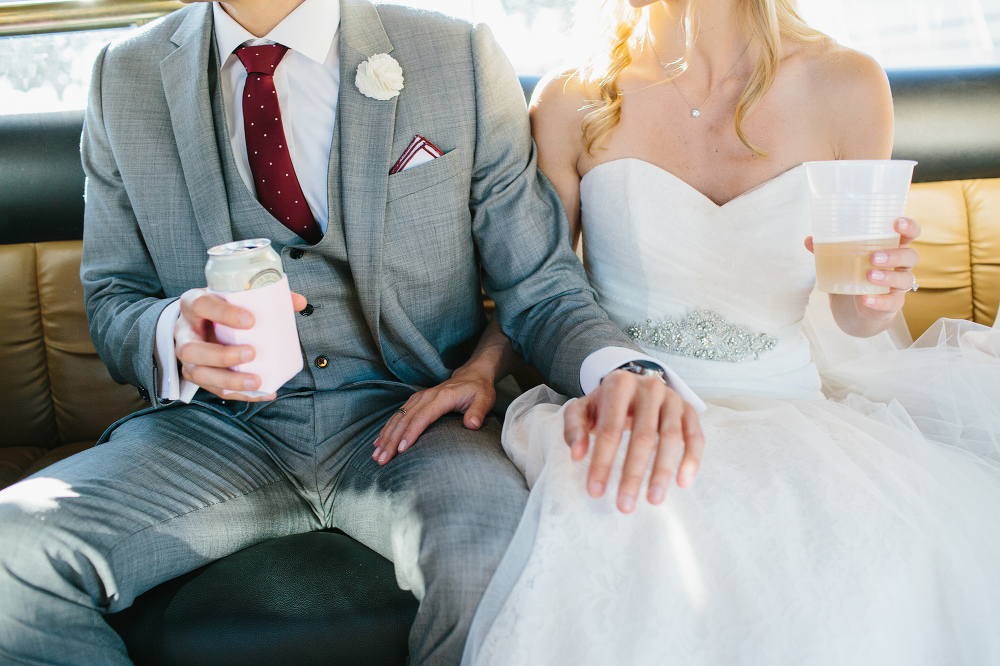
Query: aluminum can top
[238, 247]
[242, 265]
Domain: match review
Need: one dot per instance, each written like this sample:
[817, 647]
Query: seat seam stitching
[967, 187]
[45, 348]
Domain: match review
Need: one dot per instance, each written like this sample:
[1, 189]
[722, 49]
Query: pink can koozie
[273, 336]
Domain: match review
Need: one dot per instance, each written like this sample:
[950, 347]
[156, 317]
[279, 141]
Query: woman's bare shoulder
[849, 93]
[557, 109]
[832, 71]
[560, 97]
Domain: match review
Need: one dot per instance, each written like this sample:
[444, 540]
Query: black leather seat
[41, 178]
[949, 121]
[316, 598]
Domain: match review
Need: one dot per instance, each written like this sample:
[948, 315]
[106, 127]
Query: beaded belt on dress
[703, 334]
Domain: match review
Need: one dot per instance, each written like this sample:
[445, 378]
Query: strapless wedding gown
[857, 527]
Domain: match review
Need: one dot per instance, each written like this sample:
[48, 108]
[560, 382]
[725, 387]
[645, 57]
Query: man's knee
[28, 509]
[23, 531]
[449, 559]
[38, 544]
[466, 493]
[462, 512]
[463, 552]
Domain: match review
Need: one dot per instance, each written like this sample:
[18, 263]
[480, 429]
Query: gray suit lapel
[366, 133]
[185, 82]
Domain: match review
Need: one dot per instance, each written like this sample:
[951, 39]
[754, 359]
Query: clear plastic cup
[853, 207]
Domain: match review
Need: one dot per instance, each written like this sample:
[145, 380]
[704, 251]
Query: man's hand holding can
[208, 356]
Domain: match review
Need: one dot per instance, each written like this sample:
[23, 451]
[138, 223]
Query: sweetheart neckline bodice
[691, 188]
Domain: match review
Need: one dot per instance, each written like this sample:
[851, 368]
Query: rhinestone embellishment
[703, 334]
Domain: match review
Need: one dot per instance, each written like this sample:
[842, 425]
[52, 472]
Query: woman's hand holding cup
[890, 268]
[893, 269]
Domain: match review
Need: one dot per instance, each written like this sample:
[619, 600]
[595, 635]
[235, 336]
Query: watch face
[645, 369]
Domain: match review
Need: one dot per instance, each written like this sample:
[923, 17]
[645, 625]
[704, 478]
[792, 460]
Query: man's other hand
[662, 426]
[204, 360]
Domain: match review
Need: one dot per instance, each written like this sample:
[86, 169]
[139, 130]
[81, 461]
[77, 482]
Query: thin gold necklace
[696, 110]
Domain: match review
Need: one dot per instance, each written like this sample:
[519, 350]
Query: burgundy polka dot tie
[278, 188]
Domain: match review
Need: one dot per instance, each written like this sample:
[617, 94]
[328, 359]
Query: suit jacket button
[143, 393]
[321, 362]
[296, 253]
[307, 310]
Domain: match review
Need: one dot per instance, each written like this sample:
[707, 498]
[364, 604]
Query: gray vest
[337, 344]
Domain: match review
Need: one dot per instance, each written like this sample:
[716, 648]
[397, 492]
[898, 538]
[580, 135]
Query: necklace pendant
[695, 113]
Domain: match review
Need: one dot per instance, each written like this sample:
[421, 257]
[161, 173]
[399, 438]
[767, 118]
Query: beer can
[243, 265]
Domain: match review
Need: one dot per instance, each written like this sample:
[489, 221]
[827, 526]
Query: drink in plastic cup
[853, 207]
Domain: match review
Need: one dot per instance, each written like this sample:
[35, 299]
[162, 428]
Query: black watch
[646, 368]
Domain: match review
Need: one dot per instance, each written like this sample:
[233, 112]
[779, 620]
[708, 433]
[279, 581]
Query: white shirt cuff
[603, 361]
[172, 385]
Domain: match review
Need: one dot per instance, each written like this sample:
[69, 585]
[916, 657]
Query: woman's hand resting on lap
[469, 391]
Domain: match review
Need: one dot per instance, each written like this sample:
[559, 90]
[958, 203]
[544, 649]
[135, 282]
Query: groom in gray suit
[389, 268]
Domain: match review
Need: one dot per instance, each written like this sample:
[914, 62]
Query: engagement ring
[914, 286]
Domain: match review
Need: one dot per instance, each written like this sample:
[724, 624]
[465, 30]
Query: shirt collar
[310, 29]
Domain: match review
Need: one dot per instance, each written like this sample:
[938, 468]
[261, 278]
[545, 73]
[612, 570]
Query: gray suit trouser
[179, 487]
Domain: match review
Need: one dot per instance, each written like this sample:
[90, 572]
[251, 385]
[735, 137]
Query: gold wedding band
[401, 411]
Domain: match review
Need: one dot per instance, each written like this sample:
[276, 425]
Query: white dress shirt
[307, 83]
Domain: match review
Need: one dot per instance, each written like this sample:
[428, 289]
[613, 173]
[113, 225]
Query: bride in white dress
[847, 508]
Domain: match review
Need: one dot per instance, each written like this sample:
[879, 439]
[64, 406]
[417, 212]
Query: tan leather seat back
[84, 397]
[55, 389]
[27, 417]
[959, 269]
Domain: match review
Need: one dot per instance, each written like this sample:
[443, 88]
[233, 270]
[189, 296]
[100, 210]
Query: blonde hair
[624, 29]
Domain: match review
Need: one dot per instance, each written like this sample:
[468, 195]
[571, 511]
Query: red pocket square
[418, 152]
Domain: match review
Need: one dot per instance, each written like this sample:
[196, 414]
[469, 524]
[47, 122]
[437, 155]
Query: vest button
[307, 310]
[296, 253]
[321, 362]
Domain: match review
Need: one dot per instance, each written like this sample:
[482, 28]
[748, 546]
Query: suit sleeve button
[321, 362]
[296, 253]
[307, 310]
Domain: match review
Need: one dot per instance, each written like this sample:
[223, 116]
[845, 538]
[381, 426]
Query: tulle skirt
[862, 529]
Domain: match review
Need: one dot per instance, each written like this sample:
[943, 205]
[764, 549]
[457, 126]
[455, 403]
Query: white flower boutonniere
[379, 77]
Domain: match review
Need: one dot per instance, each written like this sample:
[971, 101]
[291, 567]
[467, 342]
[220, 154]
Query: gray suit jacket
[419, 241]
